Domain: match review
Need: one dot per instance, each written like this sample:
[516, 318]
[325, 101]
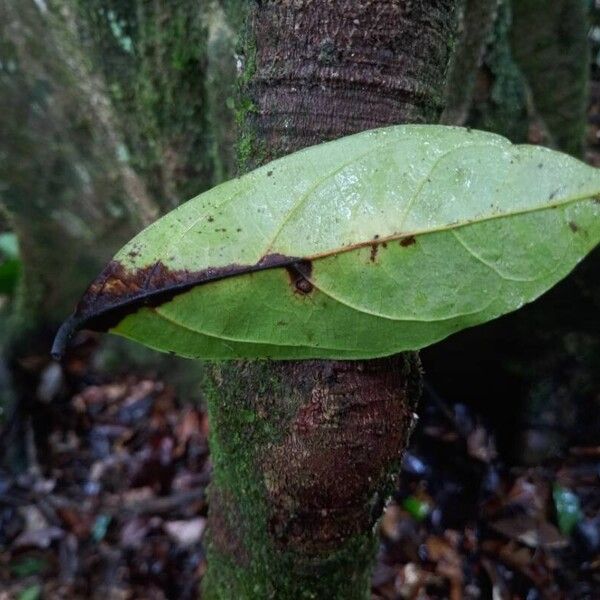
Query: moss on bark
[105, 126]
[500, 94]
[154, 58]
[532, 84]
[220, 84]
[549, 43]
[476, 21]
[71, 198]
[296, 488]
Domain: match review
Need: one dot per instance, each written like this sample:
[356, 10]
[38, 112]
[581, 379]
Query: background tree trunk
[475, 25]
[58, 123]
[113, 105]
[305, 454]
[549, 43]
[505, 70]
[113, 112]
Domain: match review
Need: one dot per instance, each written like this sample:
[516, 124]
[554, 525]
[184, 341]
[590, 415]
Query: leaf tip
[62, 338]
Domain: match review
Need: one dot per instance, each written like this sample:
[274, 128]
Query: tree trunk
[69, 197]
[306, 453]
[475, 26]
[549, 43]
[522, 48]
[110, 115]
[500, 101]
[104, 127]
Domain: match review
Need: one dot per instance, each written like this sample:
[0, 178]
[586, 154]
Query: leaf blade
[380, 242]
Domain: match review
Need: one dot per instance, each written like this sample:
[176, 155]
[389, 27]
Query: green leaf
[416, 507]
[10, 265]
[384, 241]
[28, 566]
[33, 592]
[568, 508]
[9, 276]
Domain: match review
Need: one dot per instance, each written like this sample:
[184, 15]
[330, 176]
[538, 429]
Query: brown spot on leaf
[408, 241]
[573, 226]
[119, 291]
[299, 273]
[374, 250]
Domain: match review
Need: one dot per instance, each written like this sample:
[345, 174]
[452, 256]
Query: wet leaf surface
[379, 242]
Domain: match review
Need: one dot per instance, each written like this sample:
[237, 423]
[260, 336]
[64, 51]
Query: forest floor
[112, 505]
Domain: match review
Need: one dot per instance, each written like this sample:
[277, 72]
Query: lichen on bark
[532, 80]
[475, 26]
[500, 101]
[59, 122]
[154, 58]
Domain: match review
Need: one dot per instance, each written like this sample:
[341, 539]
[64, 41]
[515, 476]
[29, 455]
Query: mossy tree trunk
[67, 193]
[65, 189]
[549, 43]
[521, 70]
[109, 118]
[112, 112]
[499, 100]
[306, 453]
[475, 25]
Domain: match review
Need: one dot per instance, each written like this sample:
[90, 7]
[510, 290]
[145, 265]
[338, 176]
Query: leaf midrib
[448, 227]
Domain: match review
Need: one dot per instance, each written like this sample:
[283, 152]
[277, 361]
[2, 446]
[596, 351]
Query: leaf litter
[114, 506]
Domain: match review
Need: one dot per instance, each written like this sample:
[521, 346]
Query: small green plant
[10, 263]
[380, 242]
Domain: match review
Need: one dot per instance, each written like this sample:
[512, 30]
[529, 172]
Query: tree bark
[60, 144]
[549, 43]
[500, 101]
[475, 25]
[104, 125]
[306, 453]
